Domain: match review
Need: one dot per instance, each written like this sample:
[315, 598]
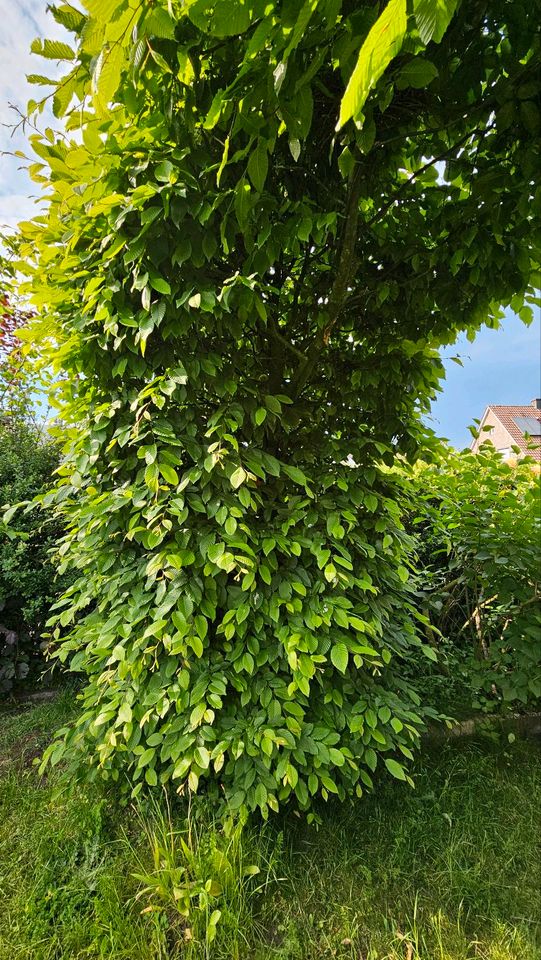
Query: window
[529, 425]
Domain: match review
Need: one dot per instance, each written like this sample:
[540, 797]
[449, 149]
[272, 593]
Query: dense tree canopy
[245, 277]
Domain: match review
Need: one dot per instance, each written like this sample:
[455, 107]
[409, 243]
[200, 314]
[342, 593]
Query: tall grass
[448, 871]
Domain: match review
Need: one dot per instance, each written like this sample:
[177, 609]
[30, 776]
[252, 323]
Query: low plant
[194, 876]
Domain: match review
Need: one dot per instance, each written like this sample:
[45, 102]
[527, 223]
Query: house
[512, 426]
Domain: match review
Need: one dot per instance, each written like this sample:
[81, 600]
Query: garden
[270, 650]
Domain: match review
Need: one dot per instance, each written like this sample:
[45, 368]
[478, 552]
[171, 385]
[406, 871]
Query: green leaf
[146, 757]
[381, 45]
[125, 713]
[202, 757]
[163, 173]
[273, 404]
[305, 14]
[52, 49]
[169, 474]
[237, 800]
[329, 572]
[295, 148]
[106, 77]
[158, 23]
[295, 474]
[395, 769]
[417, 73]
[243, 203]
[8, 514]
[230, 526]
[160, 61]
[346, 162]
[370, 758]
[160, 285]
[237, 477]
[40, 79]
[201, 625]
[433, 17]
[224, 18]
[214, 919]
[151, 476]
[215, 551]
[223, 162]
[340, 656]
[260, 416]
[258, 165]
[196, 644]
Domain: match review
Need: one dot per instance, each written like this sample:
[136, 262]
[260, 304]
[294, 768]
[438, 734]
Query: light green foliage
[381, 45]
[246, 309]
[479, 523]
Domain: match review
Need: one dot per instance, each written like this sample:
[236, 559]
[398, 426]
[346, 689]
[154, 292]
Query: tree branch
[345, 271]
[426, 166]
[274, 332]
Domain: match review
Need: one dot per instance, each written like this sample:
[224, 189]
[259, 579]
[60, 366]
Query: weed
[195, 877]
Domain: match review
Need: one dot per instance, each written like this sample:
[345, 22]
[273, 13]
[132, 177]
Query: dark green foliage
[479, 525]
[246, 306]
[28, 459]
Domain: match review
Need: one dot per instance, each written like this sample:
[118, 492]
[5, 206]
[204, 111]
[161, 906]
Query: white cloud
[21, 21]
[15, 208]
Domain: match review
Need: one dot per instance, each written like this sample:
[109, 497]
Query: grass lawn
[448, 871]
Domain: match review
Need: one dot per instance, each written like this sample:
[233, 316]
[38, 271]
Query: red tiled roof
[506, 415]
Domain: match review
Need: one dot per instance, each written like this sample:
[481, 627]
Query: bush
[479, 522]
[246, 305]
[27, 572]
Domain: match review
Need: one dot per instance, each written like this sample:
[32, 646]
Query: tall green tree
[268, 219]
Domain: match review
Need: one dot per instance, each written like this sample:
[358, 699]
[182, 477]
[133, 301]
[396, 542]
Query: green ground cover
[448, 871]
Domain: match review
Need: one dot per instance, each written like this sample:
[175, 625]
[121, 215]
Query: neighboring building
[512, 426]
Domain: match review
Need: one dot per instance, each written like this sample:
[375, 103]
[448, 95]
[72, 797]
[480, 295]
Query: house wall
[498, 436]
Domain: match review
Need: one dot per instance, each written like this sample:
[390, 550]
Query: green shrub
[246, 306]
[28, 459]
[479, 524]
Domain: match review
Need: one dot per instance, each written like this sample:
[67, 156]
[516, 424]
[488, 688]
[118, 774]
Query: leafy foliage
[246, 309]
[480, 527]
[27, 571]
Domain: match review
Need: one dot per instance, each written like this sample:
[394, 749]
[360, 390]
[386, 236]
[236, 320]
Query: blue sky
[501, 366]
